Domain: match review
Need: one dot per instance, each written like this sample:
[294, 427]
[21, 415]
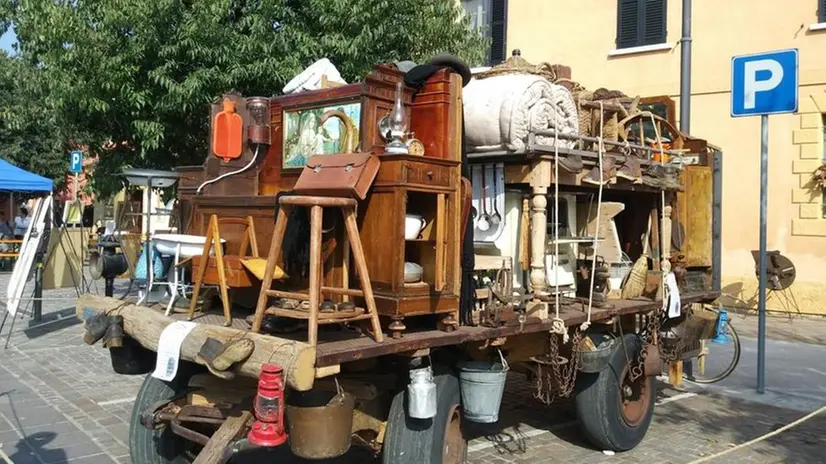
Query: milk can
[421, 394]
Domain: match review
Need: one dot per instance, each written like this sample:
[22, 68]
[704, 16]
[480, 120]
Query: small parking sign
[76, 161]
[764, 83]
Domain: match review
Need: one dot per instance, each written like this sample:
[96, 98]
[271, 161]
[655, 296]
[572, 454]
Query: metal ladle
[496, 218]
[484, 220]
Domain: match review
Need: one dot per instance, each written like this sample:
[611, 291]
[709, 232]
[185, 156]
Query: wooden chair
[317, 205]
[238, 276]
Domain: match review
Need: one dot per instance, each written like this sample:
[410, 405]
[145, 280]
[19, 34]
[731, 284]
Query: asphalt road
[795, 374]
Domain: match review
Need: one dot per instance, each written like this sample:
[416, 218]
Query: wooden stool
[317, 205]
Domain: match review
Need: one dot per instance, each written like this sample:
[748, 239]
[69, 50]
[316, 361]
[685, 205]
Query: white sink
[191, 245]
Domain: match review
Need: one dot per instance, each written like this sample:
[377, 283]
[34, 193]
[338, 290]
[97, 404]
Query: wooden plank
[694, 213]
[675, 373]
[609, 247]
[343, 351]
[488, 262]
[231, 429]
[145, 326]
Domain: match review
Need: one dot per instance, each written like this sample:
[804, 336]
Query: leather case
[343, 175]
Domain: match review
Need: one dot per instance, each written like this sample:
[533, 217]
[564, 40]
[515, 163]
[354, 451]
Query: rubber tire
[419, 441]
[157, 446]
[599, 408]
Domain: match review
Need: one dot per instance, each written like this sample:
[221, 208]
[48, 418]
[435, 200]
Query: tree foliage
[30, 137]
[141, 73]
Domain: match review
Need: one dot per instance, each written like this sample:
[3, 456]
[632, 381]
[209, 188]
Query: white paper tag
[169, 349]
[673, 296]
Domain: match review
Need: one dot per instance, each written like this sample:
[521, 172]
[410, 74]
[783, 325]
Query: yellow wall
[582, 33]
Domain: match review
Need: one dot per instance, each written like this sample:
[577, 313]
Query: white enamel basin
[191, 245]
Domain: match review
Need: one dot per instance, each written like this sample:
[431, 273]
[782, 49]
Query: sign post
[764, 84]
[75, 167]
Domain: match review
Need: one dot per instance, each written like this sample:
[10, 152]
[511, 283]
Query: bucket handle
[338, 386]
[505, 365]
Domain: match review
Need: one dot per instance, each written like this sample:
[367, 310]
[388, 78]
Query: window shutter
[498, 30]
[821, 11]
[628, 23]
[654, 22]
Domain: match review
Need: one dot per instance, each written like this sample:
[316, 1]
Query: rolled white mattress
[501, 111]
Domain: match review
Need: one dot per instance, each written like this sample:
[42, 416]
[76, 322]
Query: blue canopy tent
[15, 179]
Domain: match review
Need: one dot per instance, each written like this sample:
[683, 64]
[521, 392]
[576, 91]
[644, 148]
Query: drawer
[426, 174]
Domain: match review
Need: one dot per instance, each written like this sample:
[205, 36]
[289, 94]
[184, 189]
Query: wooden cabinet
[426, 187]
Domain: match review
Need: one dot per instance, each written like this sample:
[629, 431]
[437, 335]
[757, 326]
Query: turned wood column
[665, 242]
[540, 180]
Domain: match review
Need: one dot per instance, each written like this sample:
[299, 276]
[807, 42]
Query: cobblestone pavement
[61, 402]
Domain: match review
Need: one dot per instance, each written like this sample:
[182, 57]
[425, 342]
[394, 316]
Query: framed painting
[304, 135]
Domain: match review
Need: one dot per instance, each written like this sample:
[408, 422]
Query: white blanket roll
[500, 111]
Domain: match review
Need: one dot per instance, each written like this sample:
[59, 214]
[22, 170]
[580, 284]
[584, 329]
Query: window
[821, 11]
[640, 23]
[489, 17]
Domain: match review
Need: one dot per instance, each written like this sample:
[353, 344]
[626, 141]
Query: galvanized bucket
[594, 361]
[482, 384]
[307, 410]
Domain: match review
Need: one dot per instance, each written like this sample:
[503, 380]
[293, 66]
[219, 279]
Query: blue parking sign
[764, 83]
[76, 162]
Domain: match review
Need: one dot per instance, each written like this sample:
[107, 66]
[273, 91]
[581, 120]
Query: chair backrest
[248, 241]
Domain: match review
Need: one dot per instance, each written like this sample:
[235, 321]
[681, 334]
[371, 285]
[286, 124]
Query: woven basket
[700, 324]
[610, 122]
[580, 95]
[518, 65]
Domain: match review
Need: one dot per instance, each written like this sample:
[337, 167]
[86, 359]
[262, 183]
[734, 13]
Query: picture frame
[304, 134]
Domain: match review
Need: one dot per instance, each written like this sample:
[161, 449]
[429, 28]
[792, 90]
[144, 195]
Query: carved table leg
[396, 327]
[539, 224]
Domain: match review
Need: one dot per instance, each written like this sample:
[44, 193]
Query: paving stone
[96, 459]
[53, 383]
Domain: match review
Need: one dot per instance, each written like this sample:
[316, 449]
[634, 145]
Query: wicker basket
[518, 65]
[700, 325]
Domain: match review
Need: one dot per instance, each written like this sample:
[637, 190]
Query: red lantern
[268, 428]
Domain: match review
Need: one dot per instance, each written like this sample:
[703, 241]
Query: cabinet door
[381, 224]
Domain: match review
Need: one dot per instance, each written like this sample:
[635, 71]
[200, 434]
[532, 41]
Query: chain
[561, 380]
[652, 327]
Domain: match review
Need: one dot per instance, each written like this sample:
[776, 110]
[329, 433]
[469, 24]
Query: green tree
[30, 137]
[141, 73]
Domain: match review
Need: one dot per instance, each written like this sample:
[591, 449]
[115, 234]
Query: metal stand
[150, 179]
[37, 307]
[761, 289]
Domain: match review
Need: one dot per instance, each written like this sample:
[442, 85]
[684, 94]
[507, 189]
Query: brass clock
[415, 147]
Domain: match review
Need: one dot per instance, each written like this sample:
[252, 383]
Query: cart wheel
[418, 441]
[615, 412]
[158, 446]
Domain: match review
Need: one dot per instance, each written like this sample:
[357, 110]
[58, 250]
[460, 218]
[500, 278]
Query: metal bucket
[320, 423]
[593, 361]
[482, 385]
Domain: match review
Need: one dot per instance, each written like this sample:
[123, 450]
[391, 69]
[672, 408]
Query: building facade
[634, 46]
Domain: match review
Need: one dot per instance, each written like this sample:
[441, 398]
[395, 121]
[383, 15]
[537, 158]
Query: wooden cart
[528, 326]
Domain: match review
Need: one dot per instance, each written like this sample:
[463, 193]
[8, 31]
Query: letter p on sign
[764, 83]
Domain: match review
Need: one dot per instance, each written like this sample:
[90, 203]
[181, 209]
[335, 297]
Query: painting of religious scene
[304, 136]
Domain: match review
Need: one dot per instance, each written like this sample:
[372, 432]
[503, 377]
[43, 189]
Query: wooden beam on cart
[145, 325]
[229, 431]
